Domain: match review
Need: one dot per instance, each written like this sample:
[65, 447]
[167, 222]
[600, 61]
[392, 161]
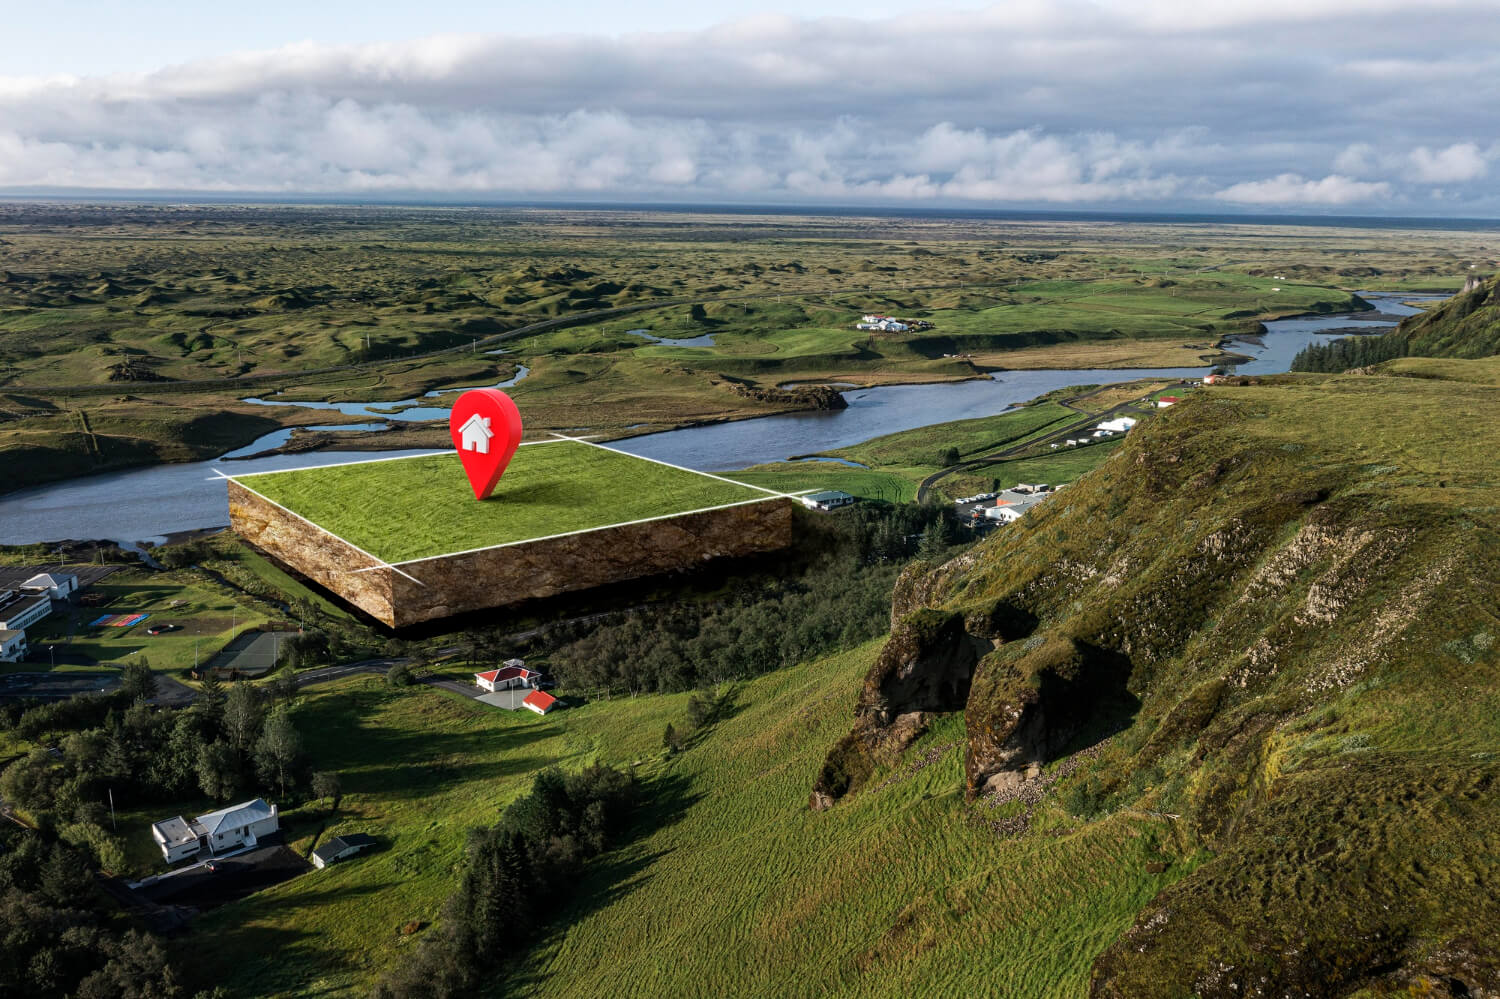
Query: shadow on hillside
[616, 874]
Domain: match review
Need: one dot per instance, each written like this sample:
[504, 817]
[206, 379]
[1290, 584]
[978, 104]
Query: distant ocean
[187, 198]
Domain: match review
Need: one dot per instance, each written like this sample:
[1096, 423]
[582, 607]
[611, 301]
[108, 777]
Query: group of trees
[57, 936]
[519, 873]
[835, 602]
[118, 748]
[1350, 352]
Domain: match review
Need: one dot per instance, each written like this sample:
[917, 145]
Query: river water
[146, 504]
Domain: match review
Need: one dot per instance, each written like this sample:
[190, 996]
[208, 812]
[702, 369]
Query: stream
[147, 504]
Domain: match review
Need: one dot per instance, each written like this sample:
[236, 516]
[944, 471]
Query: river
[147, 504]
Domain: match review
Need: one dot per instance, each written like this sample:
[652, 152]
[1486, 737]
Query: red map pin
[486, 429]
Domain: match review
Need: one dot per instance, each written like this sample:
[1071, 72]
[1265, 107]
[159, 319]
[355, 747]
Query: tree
[326, 784]
[210, 701]
[949, 457]
[284, 685]
[934, 544]
[697, 313]
[218, 771]
[278, 751]
[243, 715]
[139, 682]
[398, 675]
[669, 739]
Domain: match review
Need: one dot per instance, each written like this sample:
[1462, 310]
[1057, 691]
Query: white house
[1005, 514]
[56, 585]
[12, 645]
[1167, 402]
[225, 829]
[828, 499]
[20, 610]
[476, 433]
[511, 673]
[1118, 425]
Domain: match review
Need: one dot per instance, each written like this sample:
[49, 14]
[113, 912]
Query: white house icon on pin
[476, 434]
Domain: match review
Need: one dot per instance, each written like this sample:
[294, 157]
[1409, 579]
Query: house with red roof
[511, 673]
[540, 701]
[1166, 401]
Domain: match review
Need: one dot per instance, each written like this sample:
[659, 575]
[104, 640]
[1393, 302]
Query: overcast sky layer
[1328, 106]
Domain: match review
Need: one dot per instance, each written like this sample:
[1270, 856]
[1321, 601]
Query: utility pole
[112, 810]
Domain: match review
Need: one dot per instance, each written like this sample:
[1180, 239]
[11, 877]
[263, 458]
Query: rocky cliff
[1267, 624]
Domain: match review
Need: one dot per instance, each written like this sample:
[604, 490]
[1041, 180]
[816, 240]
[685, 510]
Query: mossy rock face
[1281, 602]
[925, 667]
[1026, 707]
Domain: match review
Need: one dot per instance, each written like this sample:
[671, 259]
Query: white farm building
[226, 829]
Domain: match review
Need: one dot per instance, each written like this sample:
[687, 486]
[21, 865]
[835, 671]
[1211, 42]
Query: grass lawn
[206, 615]
[731, 885]
[413, 508]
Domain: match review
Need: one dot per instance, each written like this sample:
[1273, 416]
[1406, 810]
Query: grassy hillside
[1268, 620]
[731, 885]
[1467, 325]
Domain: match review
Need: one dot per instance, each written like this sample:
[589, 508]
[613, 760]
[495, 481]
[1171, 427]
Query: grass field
[732, 886]
[207, 617]
[412, 508]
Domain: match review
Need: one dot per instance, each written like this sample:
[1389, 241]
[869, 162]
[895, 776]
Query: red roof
[1169, 398]
[539, 700]
[506, 673]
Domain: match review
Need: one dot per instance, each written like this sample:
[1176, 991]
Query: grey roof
[828, 494]
[341, 844]
[242, 814]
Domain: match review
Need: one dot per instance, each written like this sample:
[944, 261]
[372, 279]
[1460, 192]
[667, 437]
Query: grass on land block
[421, 507]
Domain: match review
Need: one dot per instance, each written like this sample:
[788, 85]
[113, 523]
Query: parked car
[162, 629]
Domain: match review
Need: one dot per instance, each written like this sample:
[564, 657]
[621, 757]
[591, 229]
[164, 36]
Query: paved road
[995, 457]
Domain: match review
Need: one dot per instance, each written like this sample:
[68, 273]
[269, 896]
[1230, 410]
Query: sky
[1309, 106]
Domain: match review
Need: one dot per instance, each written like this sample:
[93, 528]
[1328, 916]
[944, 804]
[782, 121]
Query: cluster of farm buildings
[890, 324]
[1107, 429]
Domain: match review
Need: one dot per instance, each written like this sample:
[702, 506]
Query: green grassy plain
[410, 508]
[111, 317]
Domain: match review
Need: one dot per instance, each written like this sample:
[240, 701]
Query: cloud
[1293, 189]
[1459, 162]
[1167, 103]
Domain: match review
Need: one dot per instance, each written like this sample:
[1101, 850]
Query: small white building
[226, 829]
[19, 610]
[828, 499]
[539, 701]
[341, 848]
[1119, 425]
[56, 585]
[1167, 402]
[12, 645]
[511, 673]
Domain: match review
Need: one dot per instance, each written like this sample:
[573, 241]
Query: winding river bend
[147, 504]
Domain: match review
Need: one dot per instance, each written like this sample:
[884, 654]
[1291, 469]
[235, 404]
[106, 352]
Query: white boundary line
[426, 453]
[380, 563]
[680, 468]
[557, 439]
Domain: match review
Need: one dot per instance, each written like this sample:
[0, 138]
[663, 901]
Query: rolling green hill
[1466, 325]
[1267, 624]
